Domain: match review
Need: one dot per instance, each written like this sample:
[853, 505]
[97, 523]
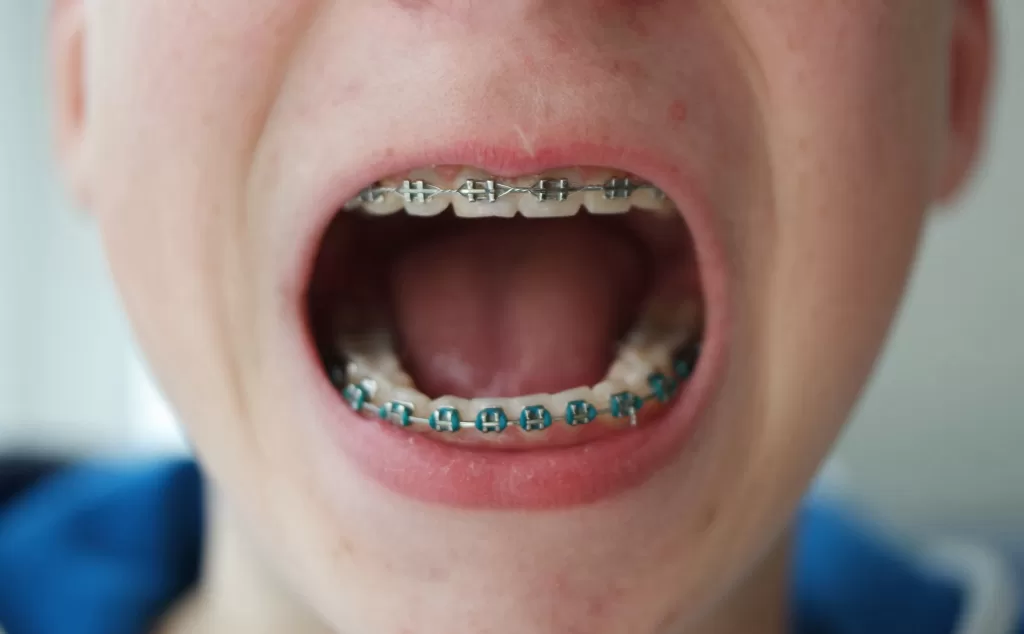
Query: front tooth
[473, 201]
[502, 406]
[501, 208]
[531, 207]
[553, 204]
[513, 409]
[520, 404]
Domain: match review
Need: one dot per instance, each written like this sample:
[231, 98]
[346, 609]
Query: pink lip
[547, 477]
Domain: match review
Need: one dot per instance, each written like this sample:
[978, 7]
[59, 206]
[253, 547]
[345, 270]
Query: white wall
[64, 349]
[937, 442]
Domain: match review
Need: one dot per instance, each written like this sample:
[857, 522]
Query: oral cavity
[451, 300]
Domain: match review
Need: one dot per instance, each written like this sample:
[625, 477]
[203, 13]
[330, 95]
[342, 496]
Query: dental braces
[490, 190]
[623, 405]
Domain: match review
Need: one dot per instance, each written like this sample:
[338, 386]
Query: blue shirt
[106, 549]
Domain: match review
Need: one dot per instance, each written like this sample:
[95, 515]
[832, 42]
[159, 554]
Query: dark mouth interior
[498, 307]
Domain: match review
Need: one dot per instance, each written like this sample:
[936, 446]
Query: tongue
[502, 308]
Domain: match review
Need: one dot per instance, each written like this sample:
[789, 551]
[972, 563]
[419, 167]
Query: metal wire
[490, 190]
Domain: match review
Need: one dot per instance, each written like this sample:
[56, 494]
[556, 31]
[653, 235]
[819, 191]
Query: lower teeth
[372, 384]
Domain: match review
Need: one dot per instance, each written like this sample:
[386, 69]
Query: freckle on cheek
[677, 112]
[630, 13]
[629, 69]
[352, 90]
[561, 44]
[412, 5]
[637, 26]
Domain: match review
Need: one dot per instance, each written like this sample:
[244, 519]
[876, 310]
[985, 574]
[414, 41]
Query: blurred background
[935, 448]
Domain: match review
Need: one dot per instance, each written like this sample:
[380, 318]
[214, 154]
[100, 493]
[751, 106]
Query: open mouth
[509, 313]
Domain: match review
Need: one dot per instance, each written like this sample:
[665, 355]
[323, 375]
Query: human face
[798, 142]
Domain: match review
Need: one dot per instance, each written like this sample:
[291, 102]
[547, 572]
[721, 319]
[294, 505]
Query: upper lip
[666, 172]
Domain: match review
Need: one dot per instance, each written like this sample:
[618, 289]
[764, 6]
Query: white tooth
[518, 404]
[604, 391]
[658, 357]
[504, 207]
[501, 208]
[531, 207]
[374, 356]
[377, 382]
[476, 405]
[560, 401]
[387, 205]
[653, 350]
[652, 200]
[391, 380]
[597, 204]
[399, 378]
[432, 207]
[461, 405]
[631, 369]
[420, 403]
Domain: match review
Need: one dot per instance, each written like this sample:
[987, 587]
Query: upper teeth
[480, 196]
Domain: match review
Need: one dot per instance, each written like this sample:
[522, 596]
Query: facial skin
[203, 136]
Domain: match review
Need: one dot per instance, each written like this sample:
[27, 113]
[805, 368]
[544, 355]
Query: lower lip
[423, 467]
[427, 469]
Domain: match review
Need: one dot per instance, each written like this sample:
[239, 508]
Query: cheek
[178, 96]
[178, 91]
[854, 110]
